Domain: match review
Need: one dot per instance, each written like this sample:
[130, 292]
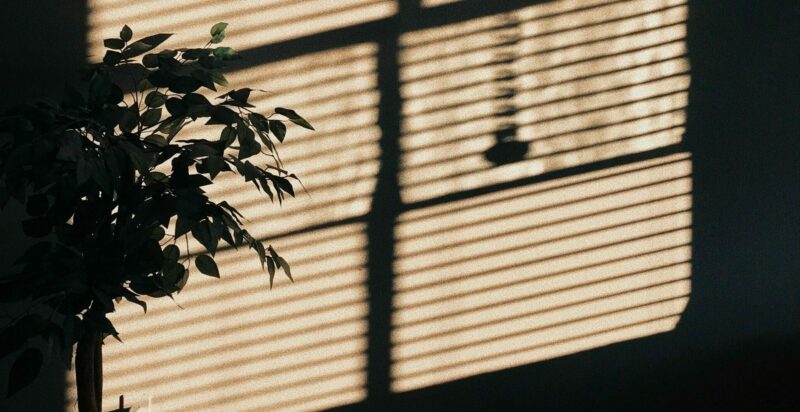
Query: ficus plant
[114, 191]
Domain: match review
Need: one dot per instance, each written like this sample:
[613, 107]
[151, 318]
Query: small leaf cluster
[114, 194]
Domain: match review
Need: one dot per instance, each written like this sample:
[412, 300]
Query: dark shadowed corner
[44, 47]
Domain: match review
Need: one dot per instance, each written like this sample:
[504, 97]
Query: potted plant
[110, 190]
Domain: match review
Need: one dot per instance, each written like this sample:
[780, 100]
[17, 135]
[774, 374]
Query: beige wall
[481, 284]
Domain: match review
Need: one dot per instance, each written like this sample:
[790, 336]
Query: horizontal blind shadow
[582, 85]
[528, 272]
[532, 273]
[237, 345]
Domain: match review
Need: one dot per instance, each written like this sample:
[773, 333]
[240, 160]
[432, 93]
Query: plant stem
[89, 371]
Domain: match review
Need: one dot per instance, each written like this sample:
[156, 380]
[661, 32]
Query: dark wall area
[43, 48]
[44, 45]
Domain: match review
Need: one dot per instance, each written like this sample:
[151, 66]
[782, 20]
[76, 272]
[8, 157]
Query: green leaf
[184, 84]
[70, 147]
[225, 205]
[158, 233]
[112, 57]
[285, 266]
[281, 263]
[228, 135]
[194, 54]
[182, 280]
[157, 177]
[217, 38]
[126, 33]
[144, 45]
[116, 44]
[115, 95]
[204, 78]
[194, 99]
[24, 370]
[248, 146]
[218, 78]
[151, 117]
[218, 229]
[206, 265]
[218, 28]
[156, 140]
[284, 184]
[225, 53]
[107, 327]
[196, 105]
[138, 157]
[240, 95]
[294, 117]
[99, 88]
[223, 115]
[214, 164]
[170, 125]
[175, 127]
[210, 62]
[262, 254]
[259, 122]
[175, 106]
[155, 99]
[167, 54]
[201, 148]
[183, 225]
[271, 270]
[129, 120]
[202, 233]
[143, 85]
[150, 60]
[173, 272]
[160, 78]
[278, 129]
[171, 253]
[250, 172]
[131, 297]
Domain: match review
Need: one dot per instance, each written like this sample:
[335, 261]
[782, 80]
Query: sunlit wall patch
[540, 270]
[237, 345]
[339, 161]
[253, 23]
[435, 3]
[577, 84]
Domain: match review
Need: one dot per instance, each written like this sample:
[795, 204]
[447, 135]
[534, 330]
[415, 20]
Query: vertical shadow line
[385, 208]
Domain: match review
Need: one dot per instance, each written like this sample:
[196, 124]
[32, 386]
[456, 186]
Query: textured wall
[511, 204]
[523, 272]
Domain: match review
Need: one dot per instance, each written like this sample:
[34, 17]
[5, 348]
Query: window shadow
[551, 147]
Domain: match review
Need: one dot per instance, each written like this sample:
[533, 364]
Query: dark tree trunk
[89, 372]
